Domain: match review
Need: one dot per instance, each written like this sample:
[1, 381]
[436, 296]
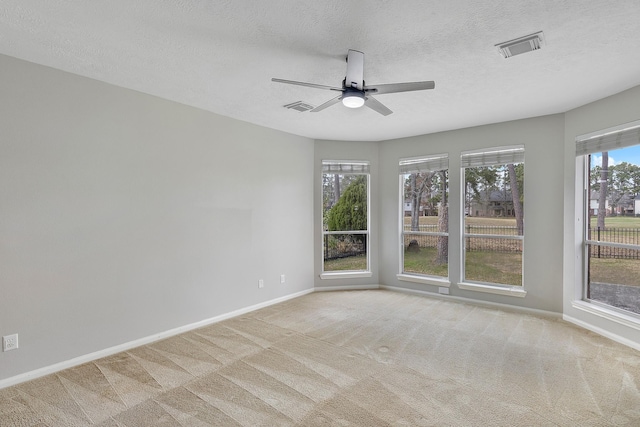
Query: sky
[629, 155]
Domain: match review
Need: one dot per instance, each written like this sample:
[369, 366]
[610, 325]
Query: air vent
[299, 106]
[521, 45]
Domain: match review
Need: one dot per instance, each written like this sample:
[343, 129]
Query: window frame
[358, 167]
[586, 146]
[439, 160]
[474, 159]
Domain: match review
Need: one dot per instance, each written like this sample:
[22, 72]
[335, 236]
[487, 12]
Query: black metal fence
[344, 245]
[627, 236]
[422, 240]
[473, 229]
[471, 243]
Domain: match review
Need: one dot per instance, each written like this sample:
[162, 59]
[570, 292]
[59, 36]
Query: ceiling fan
[354, 93]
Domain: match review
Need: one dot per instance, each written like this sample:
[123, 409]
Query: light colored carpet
[361, 358]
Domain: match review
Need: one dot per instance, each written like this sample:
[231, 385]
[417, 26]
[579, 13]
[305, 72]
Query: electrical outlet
[282, 278]
[261, 283]
[10, 342]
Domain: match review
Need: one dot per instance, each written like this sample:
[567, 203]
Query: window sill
[511, 291]
[424, 280]
[345, 275]
[612, 315]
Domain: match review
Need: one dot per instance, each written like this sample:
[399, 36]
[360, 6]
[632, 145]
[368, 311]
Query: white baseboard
[345, 288]
[607, 334]
[37, 373]
[497, 305]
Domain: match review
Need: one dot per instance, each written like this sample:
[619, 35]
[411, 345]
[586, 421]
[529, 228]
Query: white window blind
[346, 166]
[608, 141]
[433, 163]
[492, 156]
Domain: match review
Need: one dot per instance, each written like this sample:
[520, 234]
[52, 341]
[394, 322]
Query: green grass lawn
[358, 262]
[495, 267]
[500, 267]
[618, 222]
[616, 271]
[423, 263]
[481, 266]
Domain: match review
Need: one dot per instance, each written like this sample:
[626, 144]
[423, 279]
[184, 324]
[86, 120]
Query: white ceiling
[220, 55]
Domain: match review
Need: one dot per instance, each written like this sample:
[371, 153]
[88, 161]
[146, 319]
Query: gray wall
[123, 215]
[542, 138]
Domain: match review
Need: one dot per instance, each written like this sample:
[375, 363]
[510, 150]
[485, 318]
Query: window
[493, 234]
[611, 238]
[425, 216]
[345, 216]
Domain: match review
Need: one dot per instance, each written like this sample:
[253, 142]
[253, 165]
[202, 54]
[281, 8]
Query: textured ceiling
[220, 55]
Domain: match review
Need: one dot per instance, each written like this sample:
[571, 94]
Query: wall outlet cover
[10, 342]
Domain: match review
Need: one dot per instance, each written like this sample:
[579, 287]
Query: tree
[350, 212]
[515, 196]
[418, 184]
[479, 182]
[331, 185]
[602, 197]
[623, 183]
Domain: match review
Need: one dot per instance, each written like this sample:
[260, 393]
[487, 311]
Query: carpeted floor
[362, 358]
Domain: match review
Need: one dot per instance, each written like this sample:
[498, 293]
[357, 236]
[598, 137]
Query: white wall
[542, 138]
[608, 112]
[123, 215]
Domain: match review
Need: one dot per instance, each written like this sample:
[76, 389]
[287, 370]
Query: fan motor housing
[353, 98]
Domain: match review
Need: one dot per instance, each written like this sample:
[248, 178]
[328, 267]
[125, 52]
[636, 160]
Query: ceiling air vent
[521, 45]
[299, 106]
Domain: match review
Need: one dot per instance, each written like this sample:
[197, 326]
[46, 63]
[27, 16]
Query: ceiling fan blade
[329, 103]
[291, 82]
[355, 70]
[399, 87]
[377, 106]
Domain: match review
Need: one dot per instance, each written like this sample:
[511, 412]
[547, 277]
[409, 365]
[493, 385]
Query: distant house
[407, 208]
[594, 198]
[626, 205]
[425, 210]
[495, 203]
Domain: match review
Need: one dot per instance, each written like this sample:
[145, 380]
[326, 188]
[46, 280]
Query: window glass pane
[344, 200]
[496, 261]
[616, 230]
[345, 215]
[421, 255]
[425, 209]
[614, 277]
[613, 208]
[345, 252]
[490, 207]
[494, 205]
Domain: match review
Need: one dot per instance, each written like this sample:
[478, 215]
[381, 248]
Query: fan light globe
[353, 100]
